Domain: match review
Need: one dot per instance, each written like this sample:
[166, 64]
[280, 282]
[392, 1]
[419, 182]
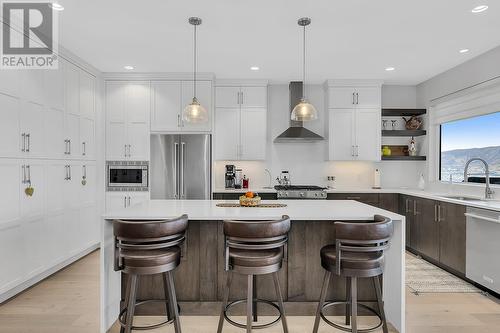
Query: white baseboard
[45, 274]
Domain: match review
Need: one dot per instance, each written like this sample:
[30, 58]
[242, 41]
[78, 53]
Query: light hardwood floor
[68, 302]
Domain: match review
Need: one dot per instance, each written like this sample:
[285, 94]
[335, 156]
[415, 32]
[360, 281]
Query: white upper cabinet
[240, 122]
[254, 97]
[87, 95]
[54, 83]
[10, 133]
[171, 97]
[127, 129]
[354, 119]
[368, 134]
[32, 86]
[166, 106]
[55, 146]
[253, 134]
[228, 97]
[241, 96]
[9, 83]
[87, 138]
[341, 97]
[342, 134]
[32, 131]
[72, 89]
[227, 133]
[204, 95]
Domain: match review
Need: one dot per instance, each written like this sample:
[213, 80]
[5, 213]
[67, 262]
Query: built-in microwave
[127, 175]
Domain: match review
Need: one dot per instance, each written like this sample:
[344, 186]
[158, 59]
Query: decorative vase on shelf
[412, 150]
[386, 151]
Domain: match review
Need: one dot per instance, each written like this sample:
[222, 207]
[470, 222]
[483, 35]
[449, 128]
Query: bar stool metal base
[348, 328]
[123, 312]
[260, 326]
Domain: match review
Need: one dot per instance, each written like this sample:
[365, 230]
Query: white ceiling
[347, 39]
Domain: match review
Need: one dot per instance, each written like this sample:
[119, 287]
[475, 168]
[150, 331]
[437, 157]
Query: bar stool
[147, 248]
[254, 248]
[358, 253]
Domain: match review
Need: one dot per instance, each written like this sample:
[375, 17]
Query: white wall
[475, 71]
[306, 161]
[454, 82]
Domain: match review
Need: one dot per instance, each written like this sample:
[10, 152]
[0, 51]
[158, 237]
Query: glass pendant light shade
[304, 111]
[194, 112]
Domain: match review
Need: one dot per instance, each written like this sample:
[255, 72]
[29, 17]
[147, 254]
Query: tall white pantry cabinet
[47, 145]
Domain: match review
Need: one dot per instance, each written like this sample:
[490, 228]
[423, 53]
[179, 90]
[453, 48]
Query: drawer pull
[353, 198]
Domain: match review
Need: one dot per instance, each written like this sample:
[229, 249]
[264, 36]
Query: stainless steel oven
[127, 175]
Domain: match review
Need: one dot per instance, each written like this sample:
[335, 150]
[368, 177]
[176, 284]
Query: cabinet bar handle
[125, 150]
[24, 174]
[28, 142]
[357, 98]
[353, 198]
[23, 149]
[435, 213]
[415, 208]
[125, 202]
[439, 213]
[128, 201]
[28, 168]
[69, 172]
[84, 148]
[407, 208]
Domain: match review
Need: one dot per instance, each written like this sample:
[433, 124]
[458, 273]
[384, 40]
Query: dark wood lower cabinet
[200, 278]
[436, 230]
[427, 228]
[452, 236]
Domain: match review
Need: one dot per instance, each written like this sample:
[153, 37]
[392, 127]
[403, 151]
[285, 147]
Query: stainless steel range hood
[297, 132]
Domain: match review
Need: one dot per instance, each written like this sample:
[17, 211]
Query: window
[468, 138]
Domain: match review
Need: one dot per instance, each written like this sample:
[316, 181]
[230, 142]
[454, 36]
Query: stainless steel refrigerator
[180, 166]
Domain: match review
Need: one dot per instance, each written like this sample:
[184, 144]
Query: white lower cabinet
[57, 221]
[119, 200]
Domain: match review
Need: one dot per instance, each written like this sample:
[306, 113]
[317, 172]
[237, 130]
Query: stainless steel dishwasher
[483, 247]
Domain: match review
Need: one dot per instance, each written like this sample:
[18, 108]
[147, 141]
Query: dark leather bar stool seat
[358, 252]
[239, 257]
[147, 248]
[254, 248]
[351, 260]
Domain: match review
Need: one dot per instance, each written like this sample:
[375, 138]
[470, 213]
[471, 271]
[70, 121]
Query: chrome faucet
[488, 191]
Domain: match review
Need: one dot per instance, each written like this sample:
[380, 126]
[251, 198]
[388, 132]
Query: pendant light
[304, 111]
[194, 112]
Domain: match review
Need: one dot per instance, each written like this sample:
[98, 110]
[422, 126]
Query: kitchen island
[199, 278]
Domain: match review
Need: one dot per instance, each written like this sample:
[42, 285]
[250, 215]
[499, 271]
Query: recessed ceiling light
[254, 68]
[56, 6]
[390, 69]
[128, 67]
[479, 9]
[464, 50]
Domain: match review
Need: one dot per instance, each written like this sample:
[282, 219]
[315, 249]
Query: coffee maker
[230, 176]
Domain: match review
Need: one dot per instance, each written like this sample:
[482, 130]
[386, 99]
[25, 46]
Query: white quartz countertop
[314, 210]
[484, 204]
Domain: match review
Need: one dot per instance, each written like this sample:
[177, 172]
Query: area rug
[424, 277]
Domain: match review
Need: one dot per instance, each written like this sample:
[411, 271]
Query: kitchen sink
[463, 198]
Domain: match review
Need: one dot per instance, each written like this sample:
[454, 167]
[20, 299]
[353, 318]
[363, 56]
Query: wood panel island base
[200, 277]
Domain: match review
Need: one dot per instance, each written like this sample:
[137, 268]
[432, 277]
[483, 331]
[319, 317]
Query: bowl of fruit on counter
[250, 199]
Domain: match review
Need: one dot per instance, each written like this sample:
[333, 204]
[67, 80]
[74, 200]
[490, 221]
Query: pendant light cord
[194, 65]
[304, 65]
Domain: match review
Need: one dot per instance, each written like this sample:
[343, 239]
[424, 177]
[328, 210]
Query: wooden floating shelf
[403, 132]
[402, 112]
[404, 158]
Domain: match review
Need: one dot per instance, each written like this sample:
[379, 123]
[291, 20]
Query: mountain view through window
[469, 138]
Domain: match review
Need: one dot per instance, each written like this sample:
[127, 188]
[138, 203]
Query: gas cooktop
[300, 192]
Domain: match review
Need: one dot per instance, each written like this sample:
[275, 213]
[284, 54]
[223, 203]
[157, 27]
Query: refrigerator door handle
[176, 170]
[183, 148]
